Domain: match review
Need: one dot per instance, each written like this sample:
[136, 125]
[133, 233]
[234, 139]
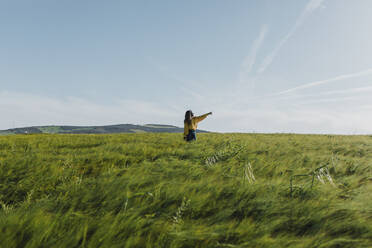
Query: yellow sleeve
[200, 118]
[185, 130]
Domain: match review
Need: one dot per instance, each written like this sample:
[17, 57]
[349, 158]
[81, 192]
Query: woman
[191, 123]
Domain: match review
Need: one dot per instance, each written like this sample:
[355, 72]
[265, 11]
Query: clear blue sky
[265, 66]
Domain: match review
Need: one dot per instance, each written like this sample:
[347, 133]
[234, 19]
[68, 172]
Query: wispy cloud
[250, 60]
[307, 118]
[193, 87]
[28, 110]
[326, 81]
[195, 95]
[308, 10]
[342, 100]
[348, 91]
[168, 72]
[19, 109]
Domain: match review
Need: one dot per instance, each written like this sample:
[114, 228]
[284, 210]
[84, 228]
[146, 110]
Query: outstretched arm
[202, 117]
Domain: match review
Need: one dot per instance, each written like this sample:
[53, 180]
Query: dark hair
[188, 117]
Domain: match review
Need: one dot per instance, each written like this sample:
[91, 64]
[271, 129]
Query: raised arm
[201, 117]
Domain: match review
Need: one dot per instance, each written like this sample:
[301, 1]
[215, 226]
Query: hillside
[155, 190]
[121, 128]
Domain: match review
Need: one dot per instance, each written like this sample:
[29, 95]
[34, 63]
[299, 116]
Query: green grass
[155, 190]
[137, 131]
[3, 133]
[51, 129]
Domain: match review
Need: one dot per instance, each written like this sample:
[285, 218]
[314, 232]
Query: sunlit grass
[155, 190]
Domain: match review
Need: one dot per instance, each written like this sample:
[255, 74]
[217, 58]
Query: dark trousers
[191, 136]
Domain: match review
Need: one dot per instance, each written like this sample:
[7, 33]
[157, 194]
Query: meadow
[155, 190]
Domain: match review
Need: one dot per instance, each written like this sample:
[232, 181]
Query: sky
[301, 66]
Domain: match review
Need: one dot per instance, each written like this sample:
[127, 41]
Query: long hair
[188, 117]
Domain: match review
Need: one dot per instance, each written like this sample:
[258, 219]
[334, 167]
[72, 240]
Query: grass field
[155, 190]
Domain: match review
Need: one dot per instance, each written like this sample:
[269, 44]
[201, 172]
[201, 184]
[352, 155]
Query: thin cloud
[309, 9]
[170, 74]
[32, 110]
[348, 91]
[359, 90]
[330, 100]
[307, 118]
[23, 109]
[194, 94]
[250, 60]
[327, 81]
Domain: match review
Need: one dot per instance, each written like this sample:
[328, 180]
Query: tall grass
[154, 190]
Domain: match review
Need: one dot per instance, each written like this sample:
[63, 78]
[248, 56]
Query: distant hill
[120, 128]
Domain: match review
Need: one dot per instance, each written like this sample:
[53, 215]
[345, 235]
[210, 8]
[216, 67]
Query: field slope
[154, 190]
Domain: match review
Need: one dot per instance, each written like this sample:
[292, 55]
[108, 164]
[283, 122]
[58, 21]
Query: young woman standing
[191, 124]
